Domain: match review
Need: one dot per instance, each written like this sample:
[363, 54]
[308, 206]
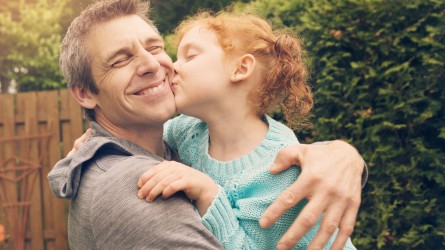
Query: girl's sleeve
[234, 213]
[223, 223]
[233, 217]
[169, 133]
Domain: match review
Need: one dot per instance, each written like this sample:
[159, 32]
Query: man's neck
[148, 137]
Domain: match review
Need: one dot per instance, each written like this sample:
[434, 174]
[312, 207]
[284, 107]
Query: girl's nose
[176, 66]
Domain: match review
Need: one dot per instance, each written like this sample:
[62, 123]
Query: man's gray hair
[74, 60]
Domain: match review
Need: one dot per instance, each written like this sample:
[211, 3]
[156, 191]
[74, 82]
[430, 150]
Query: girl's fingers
[174, 187]
[147, 175]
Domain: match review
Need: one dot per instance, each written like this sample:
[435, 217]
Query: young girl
[230, 70]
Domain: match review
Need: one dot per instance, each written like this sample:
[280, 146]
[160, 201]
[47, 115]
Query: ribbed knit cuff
[220, 218]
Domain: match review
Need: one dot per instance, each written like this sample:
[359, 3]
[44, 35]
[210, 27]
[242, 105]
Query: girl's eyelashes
[187, 57]
[190, 56]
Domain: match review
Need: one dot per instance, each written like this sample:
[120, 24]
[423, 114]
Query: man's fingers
[286, 200]
[286, 157]
[330, 222]
[306, 220]
[346, 225]
[347, 222]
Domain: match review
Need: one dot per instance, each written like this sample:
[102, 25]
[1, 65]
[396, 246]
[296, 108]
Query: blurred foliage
[170, 45]
[378, 77]
[30, 36]
[168, 14]
[31, 33]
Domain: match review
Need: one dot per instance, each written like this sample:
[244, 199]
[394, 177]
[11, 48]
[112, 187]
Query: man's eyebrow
[152, 40]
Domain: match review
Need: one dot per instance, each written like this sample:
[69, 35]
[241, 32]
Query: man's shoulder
[114, 175]
[108, 159]
[118, 218]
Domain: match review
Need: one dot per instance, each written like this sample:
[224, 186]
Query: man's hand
[169, 177]
[330, 180]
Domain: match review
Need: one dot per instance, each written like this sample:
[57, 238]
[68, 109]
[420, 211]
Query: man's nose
[147, 64]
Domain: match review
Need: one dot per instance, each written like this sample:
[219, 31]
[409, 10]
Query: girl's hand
[169, 177]
[80, 141]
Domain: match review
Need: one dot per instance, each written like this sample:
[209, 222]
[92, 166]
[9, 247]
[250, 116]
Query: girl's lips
[173, 86]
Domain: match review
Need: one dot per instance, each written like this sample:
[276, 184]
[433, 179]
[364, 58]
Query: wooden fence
[37, 127]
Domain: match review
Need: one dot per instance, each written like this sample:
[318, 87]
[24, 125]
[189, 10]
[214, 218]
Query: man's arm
[121, 220]
[331, 180]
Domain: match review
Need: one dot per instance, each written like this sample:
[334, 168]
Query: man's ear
[84, 97]
[244, 68]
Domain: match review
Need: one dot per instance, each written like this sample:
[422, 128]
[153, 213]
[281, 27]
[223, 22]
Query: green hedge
[30, 38]
[379, 79]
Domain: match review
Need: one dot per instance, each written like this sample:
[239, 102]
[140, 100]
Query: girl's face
[202, 79]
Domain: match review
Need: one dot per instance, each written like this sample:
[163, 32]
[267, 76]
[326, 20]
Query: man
[116, 66]
[114, 61]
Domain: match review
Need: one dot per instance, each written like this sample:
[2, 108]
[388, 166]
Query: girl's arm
[234, 214]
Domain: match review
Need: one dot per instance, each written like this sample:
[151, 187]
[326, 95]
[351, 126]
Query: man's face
[132, 72]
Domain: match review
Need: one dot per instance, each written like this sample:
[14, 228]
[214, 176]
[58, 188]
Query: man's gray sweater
[100, 179]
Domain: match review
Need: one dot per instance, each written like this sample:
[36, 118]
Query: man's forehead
[121, 32]
[125, 26]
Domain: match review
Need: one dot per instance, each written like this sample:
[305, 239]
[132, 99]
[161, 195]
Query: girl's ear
[244, 68]
[84, 98]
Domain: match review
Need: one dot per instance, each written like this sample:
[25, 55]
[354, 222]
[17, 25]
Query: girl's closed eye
[192, 53]
[190, 57]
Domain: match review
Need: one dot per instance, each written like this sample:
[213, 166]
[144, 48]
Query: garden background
[378, 74]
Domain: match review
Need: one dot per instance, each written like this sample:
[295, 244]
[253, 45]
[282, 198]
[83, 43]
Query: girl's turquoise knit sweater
[246, 186]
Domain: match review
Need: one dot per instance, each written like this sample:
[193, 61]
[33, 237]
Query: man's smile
[157, 88]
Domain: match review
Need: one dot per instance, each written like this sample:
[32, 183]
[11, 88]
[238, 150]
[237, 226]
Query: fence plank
[46, 102]
[8, 149]
[37, 113]
[31, 126]
[55, 218]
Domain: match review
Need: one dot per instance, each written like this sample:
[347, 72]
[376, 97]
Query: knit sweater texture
[246, 186]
